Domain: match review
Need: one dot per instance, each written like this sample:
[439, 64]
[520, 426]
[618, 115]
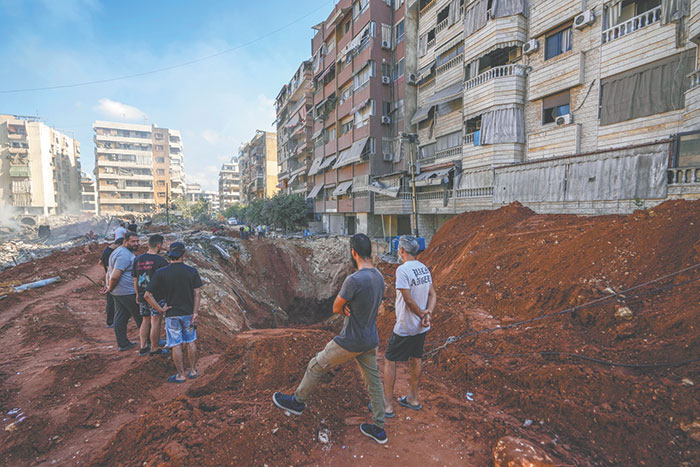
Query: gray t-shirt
[364, 291]
[123, 259]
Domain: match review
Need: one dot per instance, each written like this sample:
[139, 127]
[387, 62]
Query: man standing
[120, 231]
[104, 261]
[120, 284]
[144, 267]
[415, 302]
[178, 284]
[359, 299]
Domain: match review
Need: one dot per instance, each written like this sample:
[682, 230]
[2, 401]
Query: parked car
[232, 221]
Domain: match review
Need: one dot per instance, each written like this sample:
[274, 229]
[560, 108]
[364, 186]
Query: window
[397, 4]
[160, 147]
[399, 32]
[362, 78]
[555, 106]
[160, 160]
[557, 43]
[159, 136]
[345, 94]
[359, 7]
[346, 127]
[346, 27]
[362, 116]
[448, 55]
[399, 109]
[386, 108]
[687, 150]
[160, 172]
[398, 69]
[329, 134]
[443, 14]
[386, 69]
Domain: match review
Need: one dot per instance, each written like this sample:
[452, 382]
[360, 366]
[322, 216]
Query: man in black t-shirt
[144, 267]
[179, 285]
[104, 261]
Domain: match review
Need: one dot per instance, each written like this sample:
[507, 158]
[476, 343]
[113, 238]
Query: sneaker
[144, 351]
[374, 432]
[110, 325]
[130, 345]
[159, 352]
[287, 402]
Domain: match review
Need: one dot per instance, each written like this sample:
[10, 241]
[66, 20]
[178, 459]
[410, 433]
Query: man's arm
[340, 306]
[432, 301]
[197, 296]
[154, 304]
[410, 303]
[112, 280]
[136, 288]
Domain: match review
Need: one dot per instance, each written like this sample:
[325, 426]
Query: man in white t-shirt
[415, 302]
[120, 231]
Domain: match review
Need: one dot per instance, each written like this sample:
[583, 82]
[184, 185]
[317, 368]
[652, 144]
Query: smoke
[7, 221]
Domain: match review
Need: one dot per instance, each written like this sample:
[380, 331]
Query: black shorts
[401, 348]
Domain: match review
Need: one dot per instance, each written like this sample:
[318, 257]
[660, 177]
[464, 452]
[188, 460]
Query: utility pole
[412, 139]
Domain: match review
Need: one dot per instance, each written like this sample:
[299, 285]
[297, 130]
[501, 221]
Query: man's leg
[370, 372]
[144, 331]
[192, 357]
[179, 361]
[331, 356]
[134, 309]
[121, 316]
[155, 331]
[416, 364]
[389, 380]
[109, 308]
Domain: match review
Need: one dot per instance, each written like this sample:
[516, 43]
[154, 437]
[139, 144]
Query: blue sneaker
[374, 432]
[287, 402]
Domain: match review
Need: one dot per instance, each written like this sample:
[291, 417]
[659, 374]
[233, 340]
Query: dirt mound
[496, 268]
[228, 417]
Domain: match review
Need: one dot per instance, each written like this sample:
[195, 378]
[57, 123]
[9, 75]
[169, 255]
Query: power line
[167, 68]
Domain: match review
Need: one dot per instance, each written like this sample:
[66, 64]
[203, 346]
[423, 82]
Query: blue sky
[216, 103]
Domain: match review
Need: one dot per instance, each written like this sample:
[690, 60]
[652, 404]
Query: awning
[380, 188]
[352, 155]
[293, 121]
[421, 114]
[315, 190]
[500, 45]
[317, 134]
[359, 106]
[436, 177]
[294, 177]
[315, 166]
[342, 188]
[327, 162]
[449, 44]
[447, 94]
[325, 72]
[426, 70]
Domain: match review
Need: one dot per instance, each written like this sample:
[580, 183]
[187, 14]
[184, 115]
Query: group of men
[260, 230]
[359, 299]
[147, 288]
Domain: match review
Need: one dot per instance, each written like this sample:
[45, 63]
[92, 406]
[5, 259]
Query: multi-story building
[212, 199]
[362, 95]
[137, 167]
[229, 184]
[258, 167]
[193, 192]
[294, 144]
[88, 195]
[39, 167]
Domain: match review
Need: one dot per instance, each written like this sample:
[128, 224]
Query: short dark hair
[362, 245]
[155, 240]
[119, 241]
[129, 234]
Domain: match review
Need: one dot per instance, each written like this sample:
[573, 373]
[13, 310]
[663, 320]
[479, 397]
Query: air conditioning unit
[584, 19]
[564, 120]
[386, 45]
[531, 47]
[386, 79]
[412, 78]
[388, 157]
[386, 119]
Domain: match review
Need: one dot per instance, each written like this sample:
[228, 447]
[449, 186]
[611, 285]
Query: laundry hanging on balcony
[506, 125]
[475, 17]
[501, 8]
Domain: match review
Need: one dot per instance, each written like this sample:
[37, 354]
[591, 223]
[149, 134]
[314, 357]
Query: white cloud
[210, 136]
[207, 177]
[119, 111]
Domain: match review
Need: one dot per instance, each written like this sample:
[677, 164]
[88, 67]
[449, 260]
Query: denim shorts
[147, 310]
[179, 330]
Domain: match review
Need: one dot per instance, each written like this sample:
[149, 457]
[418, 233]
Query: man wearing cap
[415, 302]
[179, 285]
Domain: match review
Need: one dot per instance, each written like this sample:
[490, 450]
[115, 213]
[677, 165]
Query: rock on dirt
[517, 452]
[623, 313]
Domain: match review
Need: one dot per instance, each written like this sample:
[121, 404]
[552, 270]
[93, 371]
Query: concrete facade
[39, 167]
[258, 167]
[229, 184]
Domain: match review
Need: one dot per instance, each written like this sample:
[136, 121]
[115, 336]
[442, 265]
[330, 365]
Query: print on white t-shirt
[415, 276]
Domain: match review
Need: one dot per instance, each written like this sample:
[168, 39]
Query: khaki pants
[334, 355]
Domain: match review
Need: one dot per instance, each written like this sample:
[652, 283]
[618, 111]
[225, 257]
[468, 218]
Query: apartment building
[568, 107]
[258, 167]
[39, 167]
[362, 95]
[294, 129]
[88, 194]
[229, 184]
[137, 167]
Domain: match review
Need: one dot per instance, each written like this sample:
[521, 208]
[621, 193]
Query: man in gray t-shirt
[358, 300]
[120, 284]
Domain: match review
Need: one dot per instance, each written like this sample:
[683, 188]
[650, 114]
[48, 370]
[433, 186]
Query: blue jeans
[179, 330]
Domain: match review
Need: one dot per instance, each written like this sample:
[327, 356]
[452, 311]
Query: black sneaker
[130, 345]
[374, 432]
[287, 402]
[144, 351]
[159, 352]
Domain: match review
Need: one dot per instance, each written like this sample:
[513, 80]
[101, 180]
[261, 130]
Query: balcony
[14, 150]
[694, 79]
[17, 136]
[441, 26]
[683, 176]
[634, 24]
[500, 85]
[20, 171]
[449, 64]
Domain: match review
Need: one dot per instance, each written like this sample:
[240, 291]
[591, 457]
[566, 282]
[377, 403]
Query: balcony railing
[449, 152]
[638, 22]
[683, 175]
[469, 138]
[496, 72]
[441, 25]
[431, 43]
[474, 192]
[694, 79]
[449, 64]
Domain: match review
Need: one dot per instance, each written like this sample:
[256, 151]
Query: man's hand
[104, 290]
[425, 319]
[346, 310]
[194, 319]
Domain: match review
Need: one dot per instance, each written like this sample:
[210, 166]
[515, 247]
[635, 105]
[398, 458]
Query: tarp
[505, 125]
[426, 70]
[447, 94]
[342, 188]
[314, 192]
[501, 8]
[475, 17]
[435, 177]
[352, 155]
